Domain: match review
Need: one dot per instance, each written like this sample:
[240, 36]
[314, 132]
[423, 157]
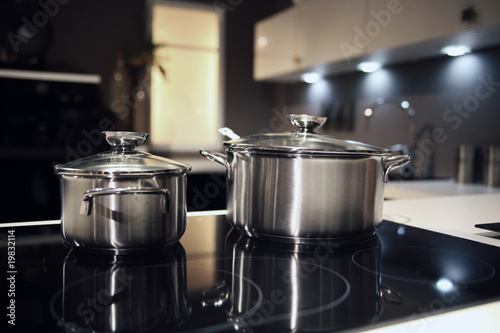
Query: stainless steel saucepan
[300, 186]
[123, 199]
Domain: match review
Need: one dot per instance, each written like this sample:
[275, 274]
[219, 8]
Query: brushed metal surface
[304, 197]
[123, 221]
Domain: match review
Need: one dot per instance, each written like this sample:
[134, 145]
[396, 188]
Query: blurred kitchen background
[181, 69]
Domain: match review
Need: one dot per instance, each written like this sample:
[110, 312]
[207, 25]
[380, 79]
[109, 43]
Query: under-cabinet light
[310, 77]
[369, 66]
[456, 50]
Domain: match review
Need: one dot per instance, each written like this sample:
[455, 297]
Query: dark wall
[457, 98]
[248, 104]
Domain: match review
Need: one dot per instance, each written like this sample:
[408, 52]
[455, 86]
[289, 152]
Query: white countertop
[412, 189]
[453, 215]
[446, 207]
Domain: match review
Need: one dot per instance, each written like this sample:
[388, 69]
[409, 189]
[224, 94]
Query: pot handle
[217, 157]
[86, 206]
[394, 162]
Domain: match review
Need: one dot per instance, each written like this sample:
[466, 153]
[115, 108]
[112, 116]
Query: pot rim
[309, 152]
[116, 174]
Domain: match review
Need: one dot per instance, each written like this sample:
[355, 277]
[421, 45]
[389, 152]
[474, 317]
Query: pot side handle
[217, 157]
[86, 206]
[394, 162]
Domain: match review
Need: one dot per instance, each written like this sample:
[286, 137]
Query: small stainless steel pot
[123, 199]
[299, 186]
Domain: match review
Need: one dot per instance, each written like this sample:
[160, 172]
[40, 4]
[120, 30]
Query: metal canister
[466, 161]
[491, 166]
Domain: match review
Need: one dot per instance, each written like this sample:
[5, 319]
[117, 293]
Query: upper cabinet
[277, 45]
[303, 36]
[332, 36]
[323, 28]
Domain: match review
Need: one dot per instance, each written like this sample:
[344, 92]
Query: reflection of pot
[303, 288]
[301, 185]
[125, 294]
[124, 199]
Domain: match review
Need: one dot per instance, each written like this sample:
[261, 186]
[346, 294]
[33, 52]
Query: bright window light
[310, 77]
[369, 66]
[455, 50]
[185, 106]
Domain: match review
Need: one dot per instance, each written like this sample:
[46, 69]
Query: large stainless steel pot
[123, 199]
[299, 186]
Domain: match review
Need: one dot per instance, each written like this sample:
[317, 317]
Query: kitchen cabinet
[410, 22]
[277, 45]
[323, 24]
[303, 36]
[332, 37]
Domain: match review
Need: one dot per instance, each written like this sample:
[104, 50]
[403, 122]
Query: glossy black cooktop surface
[216, 280]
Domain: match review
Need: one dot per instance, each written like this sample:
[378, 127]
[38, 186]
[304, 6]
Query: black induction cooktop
[216, 280]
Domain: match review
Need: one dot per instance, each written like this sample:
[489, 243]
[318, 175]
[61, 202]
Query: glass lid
[123, 160]
[304, 140]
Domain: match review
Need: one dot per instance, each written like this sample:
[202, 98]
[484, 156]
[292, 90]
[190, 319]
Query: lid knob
[306, 123]
[125, 141]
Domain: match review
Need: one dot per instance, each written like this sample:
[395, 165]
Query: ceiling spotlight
[405, 104]
[456, 50]
[369, 66]
[310, 77]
